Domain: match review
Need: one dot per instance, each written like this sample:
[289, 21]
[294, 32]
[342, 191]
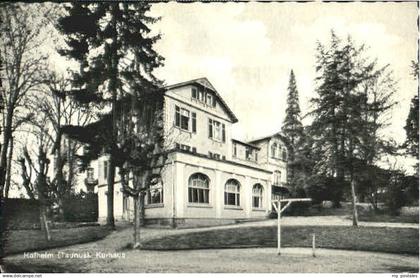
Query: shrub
[81, 207]
[394, 197]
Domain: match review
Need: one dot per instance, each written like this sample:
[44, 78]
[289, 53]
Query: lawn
[252, 260]
[379, 239]
[372, 217]
[17, 241]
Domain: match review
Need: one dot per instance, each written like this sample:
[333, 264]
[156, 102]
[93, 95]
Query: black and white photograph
[252, 137]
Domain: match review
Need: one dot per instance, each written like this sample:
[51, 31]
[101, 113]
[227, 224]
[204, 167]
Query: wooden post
[279, 211]
[313, 245]
[278, 227]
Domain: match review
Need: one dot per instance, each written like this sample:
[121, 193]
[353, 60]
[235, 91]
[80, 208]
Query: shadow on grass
[37, 268]
[400, 269]
[376, 239]
[19, 241]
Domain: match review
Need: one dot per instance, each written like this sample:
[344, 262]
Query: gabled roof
[267, 137]
[245, 144]
[206, 83]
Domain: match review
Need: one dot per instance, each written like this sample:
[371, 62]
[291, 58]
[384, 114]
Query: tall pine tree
[412, 123]
[293, 130]
[113, 44]
[353, 95]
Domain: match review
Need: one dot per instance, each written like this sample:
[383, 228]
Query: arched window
[198, 189]
[232, 193]
[257, 196]
[274, 150]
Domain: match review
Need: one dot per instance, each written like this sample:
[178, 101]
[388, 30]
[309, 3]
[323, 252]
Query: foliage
[298, 208]
[293, 130]
[354, 97]
[114, 47]
[412, 128]
[81, 207]
[321, 188]
[394, 198]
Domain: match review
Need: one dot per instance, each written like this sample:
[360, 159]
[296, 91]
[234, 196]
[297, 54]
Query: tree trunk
[9, 169]
[141, 210]
[60, 179]
[44, 223]
[7, 134]
[353, 194]
[113, 65]
[137, 209]
[110, 221]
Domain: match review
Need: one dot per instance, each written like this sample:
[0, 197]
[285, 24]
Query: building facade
[209, 178]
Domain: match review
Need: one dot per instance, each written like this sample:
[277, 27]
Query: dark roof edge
[195, 81]
[246, 144]
[277, 134]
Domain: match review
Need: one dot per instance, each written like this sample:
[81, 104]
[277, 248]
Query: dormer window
[202, 95]
[209, 100]
[194, 93]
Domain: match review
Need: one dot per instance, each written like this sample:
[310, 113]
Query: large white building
[209, 178]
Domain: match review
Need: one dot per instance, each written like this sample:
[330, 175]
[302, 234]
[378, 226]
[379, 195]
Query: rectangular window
[185, 119]
[235, 150]
[182, 118]
[209, 99]
[210, 128]
[90, 173]
[106, 169]
[217, 131]
[155, 194]
[248, 153]
[201, 95]
[223, 133]
[214, 102]
[194, 93]
[194, 149]
[194, 122]
[214, 155]
[177, 116]
[183, 147]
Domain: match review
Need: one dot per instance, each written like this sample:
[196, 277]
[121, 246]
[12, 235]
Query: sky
[247, 50]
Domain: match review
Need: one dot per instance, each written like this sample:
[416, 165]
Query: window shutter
[177, 116]
[210, 128]
[194, 122]
[223, 133]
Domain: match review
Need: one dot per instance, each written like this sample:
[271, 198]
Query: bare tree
[56, 109]
[34, 172]
[23, 67]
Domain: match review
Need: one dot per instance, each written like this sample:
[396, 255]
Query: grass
[17, 241]
[378, 217]
[379, 239]
[251, 260]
